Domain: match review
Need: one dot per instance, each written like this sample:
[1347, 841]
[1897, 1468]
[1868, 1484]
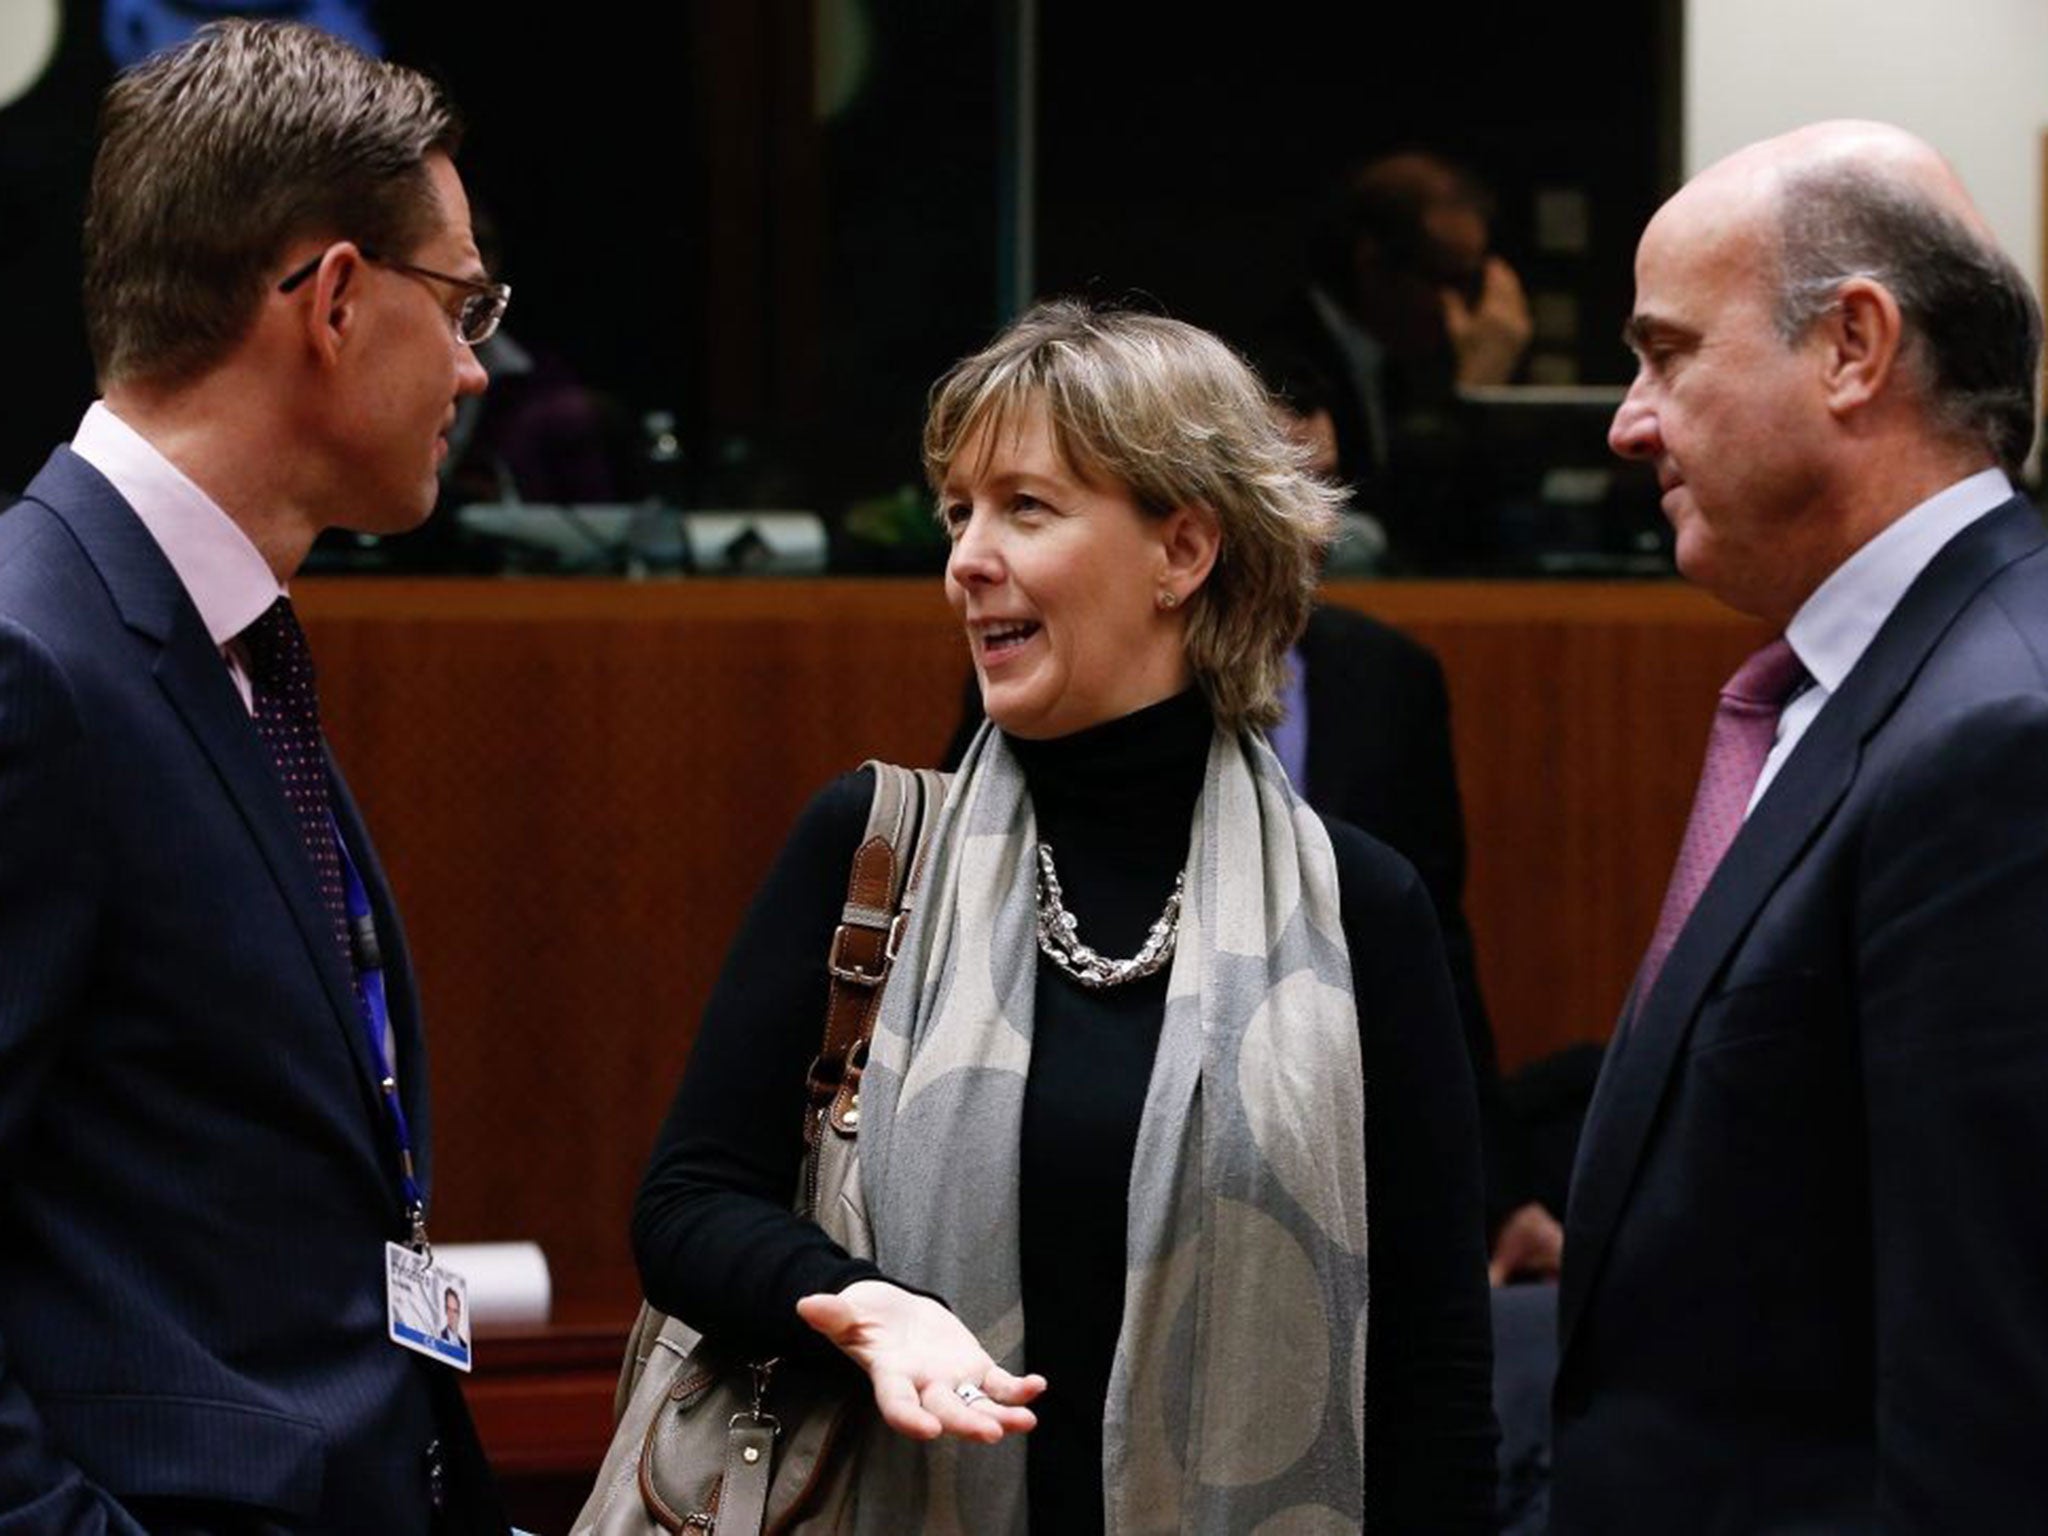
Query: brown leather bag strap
[879, 889]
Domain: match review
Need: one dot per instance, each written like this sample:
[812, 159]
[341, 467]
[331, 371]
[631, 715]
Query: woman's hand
[919, 1357]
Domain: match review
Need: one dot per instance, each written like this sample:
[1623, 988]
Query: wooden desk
[542, 1399]
[542, 1396]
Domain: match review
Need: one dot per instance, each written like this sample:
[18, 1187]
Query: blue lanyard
[368, 962]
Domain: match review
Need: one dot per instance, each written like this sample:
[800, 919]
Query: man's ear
[1861, 338]
[333, 306]
[1189, 539]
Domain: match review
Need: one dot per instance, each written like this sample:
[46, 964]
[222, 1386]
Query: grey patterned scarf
[1237, 1399]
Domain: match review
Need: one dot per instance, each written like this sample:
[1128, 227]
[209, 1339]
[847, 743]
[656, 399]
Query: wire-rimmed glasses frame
[483, 305]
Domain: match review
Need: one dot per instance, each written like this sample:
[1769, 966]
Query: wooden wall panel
[576, 787]
[575, 791]
[1580, 715]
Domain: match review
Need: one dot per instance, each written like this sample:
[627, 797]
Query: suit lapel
[188, 668]
[1792, 813]
[1633, 1080]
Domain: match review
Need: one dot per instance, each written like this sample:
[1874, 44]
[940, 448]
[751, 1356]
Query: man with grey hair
[213, 1120]
[1805, 1283]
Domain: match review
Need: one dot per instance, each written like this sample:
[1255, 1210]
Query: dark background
[683, 226]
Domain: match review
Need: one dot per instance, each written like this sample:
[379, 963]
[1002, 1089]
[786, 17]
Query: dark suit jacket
[1379, 757]
[195, 1184]
[1806, 1270]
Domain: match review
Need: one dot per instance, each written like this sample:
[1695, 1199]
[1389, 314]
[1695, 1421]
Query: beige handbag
[710, 1443]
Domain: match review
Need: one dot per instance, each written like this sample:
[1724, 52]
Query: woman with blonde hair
[1168, 1137]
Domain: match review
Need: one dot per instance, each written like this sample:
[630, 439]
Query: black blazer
[195, 1185]
[1380, 757]
[1806, 1273]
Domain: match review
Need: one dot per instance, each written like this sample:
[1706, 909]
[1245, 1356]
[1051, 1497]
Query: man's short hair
[1973, 326]
[215, 155]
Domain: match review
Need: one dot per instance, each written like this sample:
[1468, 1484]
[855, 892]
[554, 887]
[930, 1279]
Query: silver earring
[1167, 598]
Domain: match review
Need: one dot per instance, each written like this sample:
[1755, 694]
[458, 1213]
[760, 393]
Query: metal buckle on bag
[762, 1371]
[853, 973]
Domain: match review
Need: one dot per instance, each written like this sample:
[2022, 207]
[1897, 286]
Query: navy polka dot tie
[287, 714]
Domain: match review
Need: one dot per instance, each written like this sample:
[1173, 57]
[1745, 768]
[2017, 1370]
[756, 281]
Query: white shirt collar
[1835, 625]
[226, 576]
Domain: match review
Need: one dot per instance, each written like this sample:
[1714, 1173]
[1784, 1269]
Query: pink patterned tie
[1745, 725]
[287, 714]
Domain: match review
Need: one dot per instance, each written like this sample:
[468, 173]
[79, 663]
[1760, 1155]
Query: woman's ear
[1189, 539]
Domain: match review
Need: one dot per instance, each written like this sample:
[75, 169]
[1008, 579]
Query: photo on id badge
[428, 1306]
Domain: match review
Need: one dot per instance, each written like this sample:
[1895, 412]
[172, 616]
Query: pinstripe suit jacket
[195, 1187]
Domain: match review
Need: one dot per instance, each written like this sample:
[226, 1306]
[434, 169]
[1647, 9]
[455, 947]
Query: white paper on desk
[508, 1282]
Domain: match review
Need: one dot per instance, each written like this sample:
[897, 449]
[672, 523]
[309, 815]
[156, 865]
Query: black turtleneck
[717, 1245]
[1117, 804]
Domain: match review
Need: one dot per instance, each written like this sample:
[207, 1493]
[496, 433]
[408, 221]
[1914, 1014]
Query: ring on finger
[970, 1393]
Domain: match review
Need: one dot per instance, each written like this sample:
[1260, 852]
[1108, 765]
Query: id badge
[428, 1306]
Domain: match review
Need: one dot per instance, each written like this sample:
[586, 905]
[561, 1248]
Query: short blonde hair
[1177, 418]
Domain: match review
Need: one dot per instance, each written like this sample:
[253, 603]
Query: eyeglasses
[483, 304]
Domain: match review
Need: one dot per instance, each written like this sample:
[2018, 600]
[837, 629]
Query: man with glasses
[213, 1120]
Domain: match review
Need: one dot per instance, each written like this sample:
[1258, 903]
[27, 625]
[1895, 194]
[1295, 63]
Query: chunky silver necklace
[1060, 942]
